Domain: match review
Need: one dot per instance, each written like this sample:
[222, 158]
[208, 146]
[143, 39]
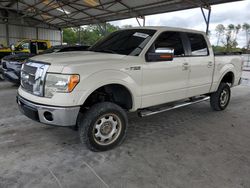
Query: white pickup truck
[147, 69]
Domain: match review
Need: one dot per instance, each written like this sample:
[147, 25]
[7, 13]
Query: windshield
[124, 42]
[23, 45]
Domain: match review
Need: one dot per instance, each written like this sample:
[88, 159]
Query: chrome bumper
[59, 116]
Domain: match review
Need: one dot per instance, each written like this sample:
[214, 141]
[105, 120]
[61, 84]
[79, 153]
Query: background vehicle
[26, 46]
[148, 70]
[11, 64]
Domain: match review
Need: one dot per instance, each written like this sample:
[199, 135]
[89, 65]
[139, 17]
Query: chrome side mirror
[161, 54]
[165, 50]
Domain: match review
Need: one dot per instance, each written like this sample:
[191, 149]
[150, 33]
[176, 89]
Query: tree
[220, 31]
[236, 32]
[88, 34]
[246, 28]
[70, 36]
[230, 39]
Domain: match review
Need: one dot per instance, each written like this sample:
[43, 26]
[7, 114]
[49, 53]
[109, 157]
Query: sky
[229, 13]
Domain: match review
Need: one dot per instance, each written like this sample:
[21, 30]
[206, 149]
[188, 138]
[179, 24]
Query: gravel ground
[188, 147]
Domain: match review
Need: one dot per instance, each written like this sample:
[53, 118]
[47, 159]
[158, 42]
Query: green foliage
[227, 36]
[69, 36]
[222, 49]
[88, 34]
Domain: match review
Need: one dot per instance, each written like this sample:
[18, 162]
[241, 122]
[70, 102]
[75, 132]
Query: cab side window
[42, 45]
[198, 45]
[170, 40]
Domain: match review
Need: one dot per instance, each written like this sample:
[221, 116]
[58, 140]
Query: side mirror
[161, 54]
[12, 47]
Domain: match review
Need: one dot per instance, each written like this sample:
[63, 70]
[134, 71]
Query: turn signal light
[73, 81]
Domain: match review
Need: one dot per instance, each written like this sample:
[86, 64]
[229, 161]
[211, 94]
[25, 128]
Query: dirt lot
[188, 147]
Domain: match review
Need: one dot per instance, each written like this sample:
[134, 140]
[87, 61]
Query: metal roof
[71, 13]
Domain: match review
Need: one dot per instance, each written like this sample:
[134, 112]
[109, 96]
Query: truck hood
[68, 58]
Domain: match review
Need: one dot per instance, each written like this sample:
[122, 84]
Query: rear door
[201, 65]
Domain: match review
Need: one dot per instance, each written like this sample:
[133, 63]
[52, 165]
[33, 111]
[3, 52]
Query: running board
[149, 112]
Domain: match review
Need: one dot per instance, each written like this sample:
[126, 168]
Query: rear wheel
[220, 99]
[103, 126]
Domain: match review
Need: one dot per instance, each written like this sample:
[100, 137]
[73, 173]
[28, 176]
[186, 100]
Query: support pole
[37, 34]
[61, 35]
[79, 35]
[138, 22]
[206, 17]
[143, 20]
[7, 34]
[6, 20]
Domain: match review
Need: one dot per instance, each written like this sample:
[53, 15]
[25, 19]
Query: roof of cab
[166, 28]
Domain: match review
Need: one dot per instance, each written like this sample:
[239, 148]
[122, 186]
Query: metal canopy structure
[73, 13]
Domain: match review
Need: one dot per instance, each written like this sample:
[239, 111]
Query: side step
[149, 112]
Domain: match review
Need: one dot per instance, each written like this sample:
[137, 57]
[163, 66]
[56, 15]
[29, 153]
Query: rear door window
[198, 45]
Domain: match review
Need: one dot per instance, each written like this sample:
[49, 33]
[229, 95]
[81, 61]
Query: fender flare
[224, 74]
[125, 80]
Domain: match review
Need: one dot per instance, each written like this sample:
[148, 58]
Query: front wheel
[103, 126]
[220, 99]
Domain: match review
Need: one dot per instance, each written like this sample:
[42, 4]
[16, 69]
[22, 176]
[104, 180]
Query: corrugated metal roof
[71, 13]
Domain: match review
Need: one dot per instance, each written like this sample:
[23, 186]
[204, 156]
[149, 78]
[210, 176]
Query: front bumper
[51, 115]
[1, 72]
[12, 76]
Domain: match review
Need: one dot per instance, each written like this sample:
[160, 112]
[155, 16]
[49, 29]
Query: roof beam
[105, 11]
[44, 12]
[79, 10]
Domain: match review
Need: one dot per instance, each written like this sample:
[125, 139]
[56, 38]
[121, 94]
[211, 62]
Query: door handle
[210, 64]
[185, 66]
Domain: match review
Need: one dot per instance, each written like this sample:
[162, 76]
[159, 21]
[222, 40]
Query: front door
[165, 81]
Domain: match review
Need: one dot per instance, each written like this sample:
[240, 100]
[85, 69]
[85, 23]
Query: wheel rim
[224, 97]
[107, 129]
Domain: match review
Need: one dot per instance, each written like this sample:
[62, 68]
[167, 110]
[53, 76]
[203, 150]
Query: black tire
[219, 102]
[99, 118]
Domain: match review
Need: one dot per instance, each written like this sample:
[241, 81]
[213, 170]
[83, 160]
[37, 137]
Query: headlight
[60, 83]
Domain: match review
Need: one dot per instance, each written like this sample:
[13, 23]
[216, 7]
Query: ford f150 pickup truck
[148, 70]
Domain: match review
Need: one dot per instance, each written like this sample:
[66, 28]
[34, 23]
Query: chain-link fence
[246, 59]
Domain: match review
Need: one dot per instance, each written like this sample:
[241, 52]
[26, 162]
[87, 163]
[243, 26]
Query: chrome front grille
[33, 77]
